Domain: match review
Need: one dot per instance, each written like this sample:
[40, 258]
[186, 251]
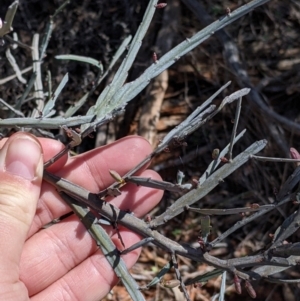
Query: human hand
[62, 262]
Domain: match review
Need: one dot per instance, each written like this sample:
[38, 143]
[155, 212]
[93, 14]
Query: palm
[63, 262]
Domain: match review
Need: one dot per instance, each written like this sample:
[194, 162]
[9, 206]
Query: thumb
[21, 170]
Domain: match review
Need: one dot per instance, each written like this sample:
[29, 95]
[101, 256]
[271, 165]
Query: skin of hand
[62, 262]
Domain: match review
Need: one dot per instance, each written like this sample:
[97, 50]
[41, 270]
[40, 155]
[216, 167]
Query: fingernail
[22, 157]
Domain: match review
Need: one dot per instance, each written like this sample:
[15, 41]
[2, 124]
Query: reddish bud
[160, 5]
[237, 284]
[154, 57]
[67, 131]
[294, 153]
[250, 289]
[148, 218]
[194, 182]
[224, 160]
[201, 243]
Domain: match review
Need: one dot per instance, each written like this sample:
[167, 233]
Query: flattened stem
[107, 246]
[209, 184]
[163, 185]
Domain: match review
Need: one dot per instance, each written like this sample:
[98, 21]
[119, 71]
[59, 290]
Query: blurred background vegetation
[267, 41]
